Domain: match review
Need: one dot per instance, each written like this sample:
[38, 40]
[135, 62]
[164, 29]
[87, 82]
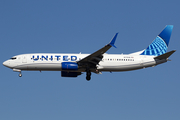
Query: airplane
[73, 65]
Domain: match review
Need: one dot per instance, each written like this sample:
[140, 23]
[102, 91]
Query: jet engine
[69, 66]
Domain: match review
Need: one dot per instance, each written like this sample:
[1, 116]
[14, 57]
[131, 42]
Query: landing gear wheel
[20, 75]
[88, 78]
[88, 75]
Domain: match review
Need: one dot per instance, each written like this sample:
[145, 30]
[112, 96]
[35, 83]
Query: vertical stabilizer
[160, 44]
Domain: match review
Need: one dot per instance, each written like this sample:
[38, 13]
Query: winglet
[113, 41]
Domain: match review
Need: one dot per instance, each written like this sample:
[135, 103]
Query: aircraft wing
[93, 59]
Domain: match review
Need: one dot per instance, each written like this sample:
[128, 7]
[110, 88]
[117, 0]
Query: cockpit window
[13, 58]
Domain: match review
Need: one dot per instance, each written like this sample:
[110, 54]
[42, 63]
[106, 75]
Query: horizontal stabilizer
[165, 56]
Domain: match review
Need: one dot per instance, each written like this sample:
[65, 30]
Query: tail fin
[160, 44]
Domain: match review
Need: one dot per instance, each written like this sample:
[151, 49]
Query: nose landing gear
[20, 75]
[18, 70]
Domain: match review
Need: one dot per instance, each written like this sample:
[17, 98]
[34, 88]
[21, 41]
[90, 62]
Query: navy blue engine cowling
[70, 74]
[69, 66]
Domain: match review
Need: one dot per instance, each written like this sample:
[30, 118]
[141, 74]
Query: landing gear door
[24, 59]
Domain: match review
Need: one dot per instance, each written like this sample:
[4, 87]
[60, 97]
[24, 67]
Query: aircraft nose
[6, 63]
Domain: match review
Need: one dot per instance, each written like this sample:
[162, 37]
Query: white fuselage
[52, 62]
[72, 65]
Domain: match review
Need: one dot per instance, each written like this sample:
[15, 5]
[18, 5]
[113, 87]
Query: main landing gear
[88, 75]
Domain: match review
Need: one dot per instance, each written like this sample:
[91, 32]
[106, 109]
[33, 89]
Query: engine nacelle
[70, 74]
[69, 66]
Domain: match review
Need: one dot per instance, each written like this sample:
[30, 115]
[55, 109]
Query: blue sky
[69, 26]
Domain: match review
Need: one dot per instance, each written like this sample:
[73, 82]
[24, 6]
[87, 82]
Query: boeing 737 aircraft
[72, 65]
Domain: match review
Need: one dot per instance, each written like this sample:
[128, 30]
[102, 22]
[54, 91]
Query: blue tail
[160, 44]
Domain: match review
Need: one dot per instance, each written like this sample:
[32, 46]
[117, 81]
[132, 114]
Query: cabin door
[24, 59]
